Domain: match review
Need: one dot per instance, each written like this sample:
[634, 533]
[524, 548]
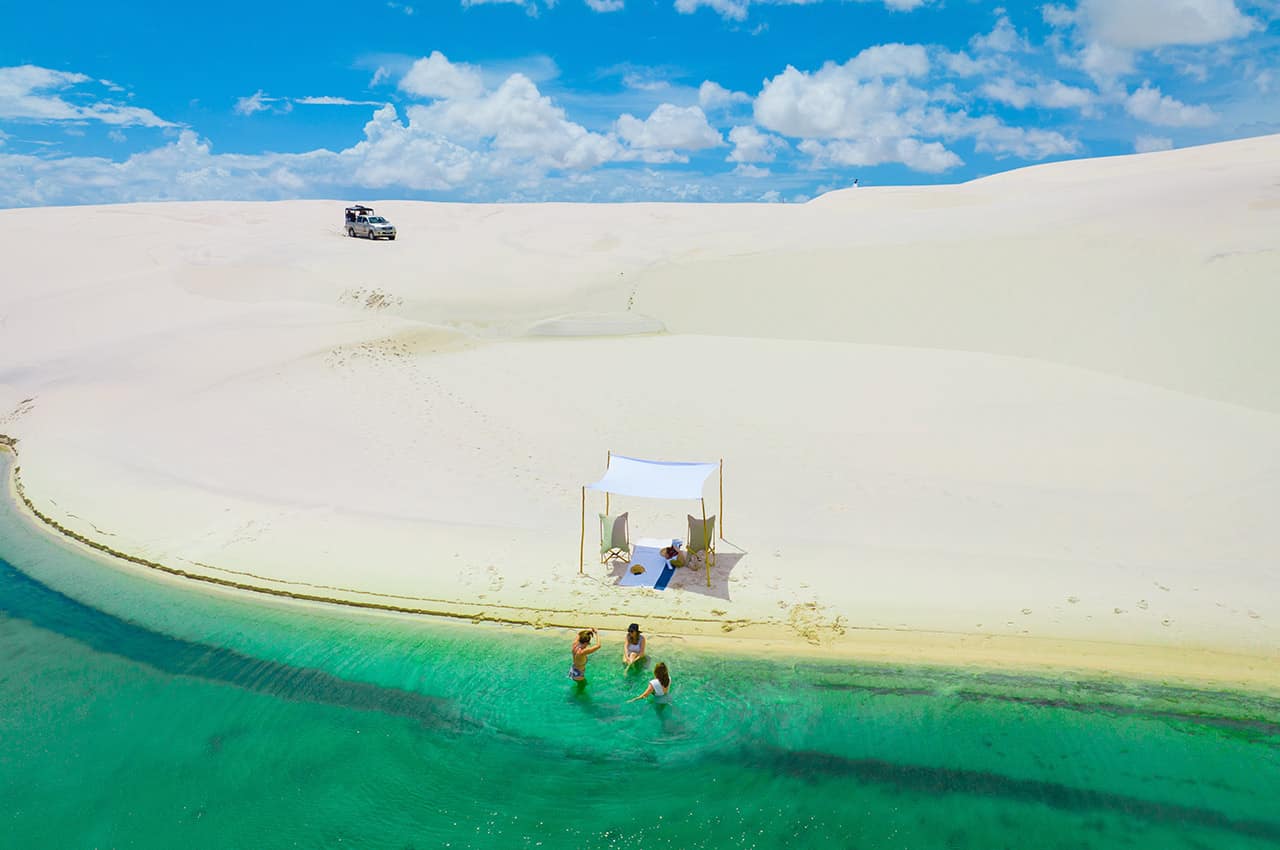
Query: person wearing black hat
[633, 647]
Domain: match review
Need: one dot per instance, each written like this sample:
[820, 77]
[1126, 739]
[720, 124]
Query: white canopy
[654, 479]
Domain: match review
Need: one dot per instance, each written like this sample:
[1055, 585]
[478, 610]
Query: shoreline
[1194, 668]
[1037, 434]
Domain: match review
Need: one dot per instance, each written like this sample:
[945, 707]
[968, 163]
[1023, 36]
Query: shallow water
[136, 713]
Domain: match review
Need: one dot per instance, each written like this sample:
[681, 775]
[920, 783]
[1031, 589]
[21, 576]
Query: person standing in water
[582, 650]
[633, 647]
[659, 685]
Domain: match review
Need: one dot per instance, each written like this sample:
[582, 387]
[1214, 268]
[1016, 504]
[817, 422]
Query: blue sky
[607, 100]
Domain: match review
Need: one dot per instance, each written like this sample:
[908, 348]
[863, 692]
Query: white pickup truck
[360, 221]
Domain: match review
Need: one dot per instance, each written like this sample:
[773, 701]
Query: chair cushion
[700, 535]
[613, 532]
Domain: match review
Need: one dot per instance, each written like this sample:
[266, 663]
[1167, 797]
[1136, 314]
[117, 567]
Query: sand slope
[1040, 404]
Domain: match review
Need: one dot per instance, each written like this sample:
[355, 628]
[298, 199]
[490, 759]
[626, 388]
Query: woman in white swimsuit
[633, 647]
[659, 685]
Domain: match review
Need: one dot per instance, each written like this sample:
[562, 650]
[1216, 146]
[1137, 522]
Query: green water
[138, 714]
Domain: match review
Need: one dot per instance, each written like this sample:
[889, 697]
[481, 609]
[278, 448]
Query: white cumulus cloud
[435, 76]
[736, 10]
[712, 95]
[1003, 38]
[1052, 94]
[750, 145]
[256, 102]
[1057, 15]
[669, 127]
[326, 100]
[26, 93]
[516, 120]
[530, 6]
[1147, 144]
[835, 102]
[929, 157]
[409, 155]
[186, 169]
[889, 60]
[1150, 105]
[995, 137]
[1148, 24]
[962, 64]
[851, 115]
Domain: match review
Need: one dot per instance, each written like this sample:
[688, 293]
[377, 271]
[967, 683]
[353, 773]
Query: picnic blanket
[647, 552]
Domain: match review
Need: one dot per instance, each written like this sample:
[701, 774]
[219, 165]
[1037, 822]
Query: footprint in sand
[1073, 599]
[1143, 604]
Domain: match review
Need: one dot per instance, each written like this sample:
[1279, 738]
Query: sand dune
[1039, 405]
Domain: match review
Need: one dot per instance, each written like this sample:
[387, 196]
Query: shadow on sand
[692, 580]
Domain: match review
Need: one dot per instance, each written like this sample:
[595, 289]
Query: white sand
[1044, 404]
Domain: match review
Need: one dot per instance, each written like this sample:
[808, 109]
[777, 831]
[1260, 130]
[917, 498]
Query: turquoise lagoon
[139, 713]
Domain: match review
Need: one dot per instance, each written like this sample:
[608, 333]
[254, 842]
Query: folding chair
[615, 542]
[702, 543]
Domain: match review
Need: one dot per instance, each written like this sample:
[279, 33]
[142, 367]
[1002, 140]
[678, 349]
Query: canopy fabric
[654, 479]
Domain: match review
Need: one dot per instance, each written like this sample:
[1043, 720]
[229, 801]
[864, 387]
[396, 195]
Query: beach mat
[647, 552]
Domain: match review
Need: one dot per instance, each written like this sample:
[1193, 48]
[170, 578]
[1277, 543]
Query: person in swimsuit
[633, 647]
[673, 556]
[659, 685]
[582, 650]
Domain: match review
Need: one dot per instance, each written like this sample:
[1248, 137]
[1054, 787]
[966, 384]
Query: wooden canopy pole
[722, 498]
[582, 541]
[607, 461]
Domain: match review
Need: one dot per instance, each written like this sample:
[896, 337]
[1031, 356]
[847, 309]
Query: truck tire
[392, 238]
[351, 231]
